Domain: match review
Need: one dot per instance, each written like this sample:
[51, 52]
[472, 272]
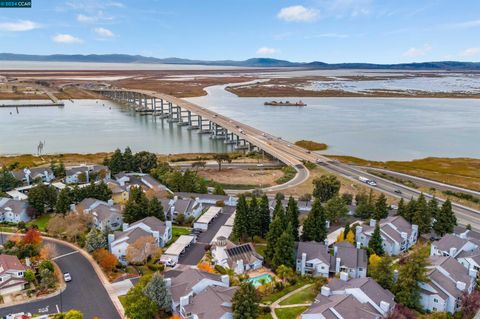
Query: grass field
[289, 313]
[269, 299]
[304, 296]
[463, 172]
[178, 231]
[40, 222]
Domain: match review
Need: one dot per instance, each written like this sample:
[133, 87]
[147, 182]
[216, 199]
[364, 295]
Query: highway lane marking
[58, 309]
[65, 255]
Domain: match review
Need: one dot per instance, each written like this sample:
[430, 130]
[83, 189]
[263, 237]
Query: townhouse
[240, 258]
[106, 215]
[11, 275]
[86, 173]
[13, 210]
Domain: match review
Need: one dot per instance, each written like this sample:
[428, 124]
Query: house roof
[100, 209]
[314, 250]
[131, 236]
[210, 197]
[446, 271]
[450, 241]
[245, 252]
[16, 206]
[182, 284]
[212, 303]
[10, 262]
[350, 256]
[154, 223]
[347, 306]
[369, 287]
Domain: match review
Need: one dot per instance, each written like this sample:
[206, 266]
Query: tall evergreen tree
[410, 210]
[136, 207]
[382, 272]
[64, 200]
[292, 216]
[253, 218]
[285, 250]
[315, 225]
[115, 163]
[155, 209]
[279, 210]
[446, 220]
[156, 289]
[264, 216]
[433, 207]
[381, 207]
[275, 231]
[422, 216]
[375, 242]
[411, 273]
[245, 302]
[401, 211]
[240, 224]
[128, 161]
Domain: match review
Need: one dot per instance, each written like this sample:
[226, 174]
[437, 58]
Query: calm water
[372, 128]
[87, 127]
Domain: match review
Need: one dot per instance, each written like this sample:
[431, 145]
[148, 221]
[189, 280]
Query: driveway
[194, 253]
[85, 292]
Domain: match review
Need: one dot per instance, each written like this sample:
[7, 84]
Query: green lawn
[41, 222]
[289, 313]
[261, 249]
[122, 300]
[305, 296]
[177, 232]
[269, 299]
[265, 316]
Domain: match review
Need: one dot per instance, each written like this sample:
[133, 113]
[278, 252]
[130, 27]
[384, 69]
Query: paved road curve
[85, 292]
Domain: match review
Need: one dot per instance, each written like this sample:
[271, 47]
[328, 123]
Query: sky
[332, 31]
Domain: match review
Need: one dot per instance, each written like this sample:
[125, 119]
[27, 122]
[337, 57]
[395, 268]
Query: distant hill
[254, 62]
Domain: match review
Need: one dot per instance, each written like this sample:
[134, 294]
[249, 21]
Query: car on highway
[260, 165]
[397, 191]
[372, 183]
[67, 277]
[289, 145]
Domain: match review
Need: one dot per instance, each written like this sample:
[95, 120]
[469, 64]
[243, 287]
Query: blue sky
[379, 31]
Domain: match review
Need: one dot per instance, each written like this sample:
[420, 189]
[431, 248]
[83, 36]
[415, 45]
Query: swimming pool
[260, 280]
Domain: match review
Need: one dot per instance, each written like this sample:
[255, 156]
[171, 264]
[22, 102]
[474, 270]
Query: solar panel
[242, 249]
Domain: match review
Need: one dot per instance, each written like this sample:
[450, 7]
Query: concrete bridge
[218, 126]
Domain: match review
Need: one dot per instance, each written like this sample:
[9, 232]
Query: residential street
[85, 292]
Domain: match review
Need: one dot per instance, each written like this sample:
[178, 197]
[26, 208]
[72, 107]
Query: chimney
[472, 273]
[111, 238]
[168, 282]
[337, 265]
[385, 306]
[124, 226]
[304, 261]
[453, 251]
[72, 207]
[343, 276]
[226, 280]
[240, 267]
[325, 291]
[461, 285]
[335, 250]
[175, 198]
[326, 242]
[373, 222]
[395, 275]
[359, 245]
[110, 202]
[432, 250]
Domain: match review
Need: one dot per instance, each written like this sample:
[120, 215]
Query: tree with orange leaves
[205, 267]
[32, 237]
[105, 259]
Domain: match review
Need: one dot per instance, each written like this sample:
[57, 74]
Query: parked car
[67, 277]
[397, 191]
[169, 262]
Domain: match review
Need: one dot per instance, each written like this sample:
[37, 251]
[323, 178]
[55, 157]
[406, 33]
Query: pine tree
[401, 211]
[64, 200]
[253, 218]
[116, 163]
[285, 250]
[128, 162]
[315, 225]
[240, 224]
[292, 216]
[155, 209]
[325, 187]
[156, 289]
[245, 302]
[411, 273]
[275, 231]
[381, 207]
[137, 206]
[346, 230]
[264, 216]
[446, 220]
[382, 272]
[280, 210]
[218, 190]
[375, 242]
[433, 207]
[421, 216]
[410, 210]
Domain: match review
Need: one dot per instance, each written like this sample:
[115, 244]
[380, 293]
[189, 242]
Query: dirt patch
[260, 178]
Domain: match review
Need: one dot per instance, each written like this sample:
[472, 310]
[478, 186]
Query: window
[435, 300]
[360, 269]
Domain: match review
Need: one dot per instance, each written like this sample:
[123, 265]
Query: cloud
[104, 33]
[298, 14]
[19, 26]
[66, 38]
[86, 19]
[417, 52]
[470, 52]
[353, 8]
[463, 25]
[266, 51]
[327, 35]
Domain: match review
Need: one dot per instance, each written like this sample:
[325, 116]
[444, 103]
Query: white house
[13, 210]
[176, 206]
[451, 245]
[213, 302]
[448, 281]
[318, 260]
[240, 258]
[351, 299]
[28, 175]
[106, 215]
[190, 282]
[11, 275]
[91, 172]
[397, 234]
[147, 227]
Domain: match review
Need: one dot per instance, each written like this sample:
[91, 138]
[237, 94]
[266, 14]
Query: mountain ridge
[252, 62]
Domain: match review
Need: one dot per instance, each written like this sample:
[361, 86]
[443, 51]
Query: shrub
[220, 270]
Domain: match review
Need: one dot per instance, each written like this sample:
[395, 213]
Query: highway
[294, 156]
[85, 292]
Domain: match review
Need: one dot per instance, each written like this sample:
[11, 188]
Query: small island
[286, 103]
[311, 145]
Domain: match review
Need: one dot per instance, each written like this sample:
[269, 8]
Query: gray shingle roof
[313, 250]
[369, 286]
[212, 302]
[184, 282]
